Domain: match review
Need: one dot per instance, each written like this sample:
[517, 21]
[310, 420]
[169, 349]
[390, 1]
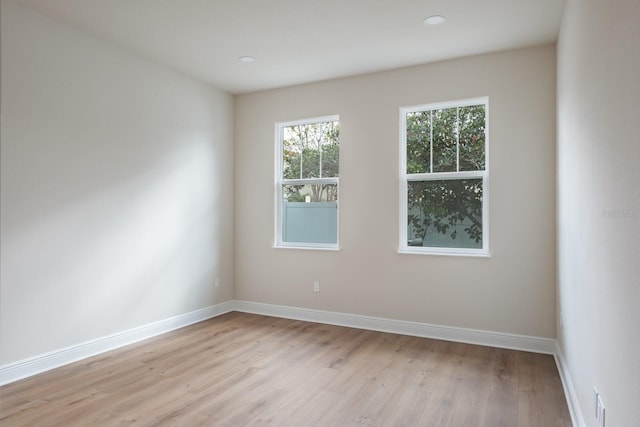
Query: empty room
[320, 213]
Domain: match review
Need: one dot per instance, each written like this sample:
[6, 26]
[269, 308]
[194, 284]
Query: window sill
[335, 248]
[446, 252]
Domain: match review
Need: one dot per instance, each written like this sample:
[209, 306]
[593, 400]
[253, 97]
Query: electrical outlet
[216, 282]
[316, 286]
[561, 321]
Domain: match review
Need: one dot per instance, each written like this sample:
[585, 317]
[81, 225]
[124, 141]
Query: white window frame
[405, 178]
[280, 182]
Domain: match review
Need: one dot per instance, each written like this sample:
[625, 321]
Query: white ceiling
[300, 41]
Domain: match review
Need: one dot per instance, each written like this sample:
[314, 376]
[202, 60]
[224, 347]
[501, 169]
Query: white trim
[444, 176]
[460, 252]
[310, 121]
[466, 102]
[277, 188]
[424, 330]
[25, 368]
[570, 393]
[310, 246]
[280, 181]
[309, 181]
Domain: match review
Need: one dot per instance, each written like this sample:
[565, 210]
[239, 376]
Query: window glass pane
[310, 150]
[291, 153]
[445, 213]
[310, 192]
[330, 149]
[472, 136]
[310, 140]
[300, 152]
[418, 142]
[444, 143]
[310, 213]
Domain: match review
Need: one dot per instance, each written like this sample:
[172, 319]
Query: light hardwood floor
[241, 369]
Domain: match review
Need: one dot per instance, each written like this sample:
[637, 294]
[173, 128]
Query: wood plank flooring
[241, 369]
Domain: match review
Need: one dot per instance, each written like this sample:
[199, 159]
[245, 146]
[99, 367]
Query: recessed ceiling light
[434, 20]
[247, 59]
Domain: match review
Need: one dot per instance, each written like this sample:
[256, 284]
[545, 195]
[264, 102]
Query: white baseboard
[35, 365]
[572, 399]
[425, 330]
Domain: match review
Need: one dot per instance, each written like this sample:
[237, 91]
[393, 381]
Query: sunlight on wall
[150, 241]
[114, 210]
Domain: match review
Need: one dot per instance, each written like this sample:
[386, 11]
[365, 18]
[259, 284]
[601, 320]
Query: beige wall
[116, 209]
[599, 204]
[513, 291]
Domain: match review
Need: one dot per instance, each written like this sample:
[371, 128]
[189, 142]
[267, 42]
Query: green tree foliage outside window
[311, 151]
[445, 169]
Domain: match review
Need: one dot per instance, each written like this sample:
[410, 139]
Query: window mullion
[301, 149]
[320, 153]
[457, 139]
[431, 141]
[445, 175]
[310, 181]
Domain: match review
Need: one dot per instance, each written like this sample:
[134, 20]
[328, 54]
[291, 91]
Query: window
[444, 178]
[307, 167]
